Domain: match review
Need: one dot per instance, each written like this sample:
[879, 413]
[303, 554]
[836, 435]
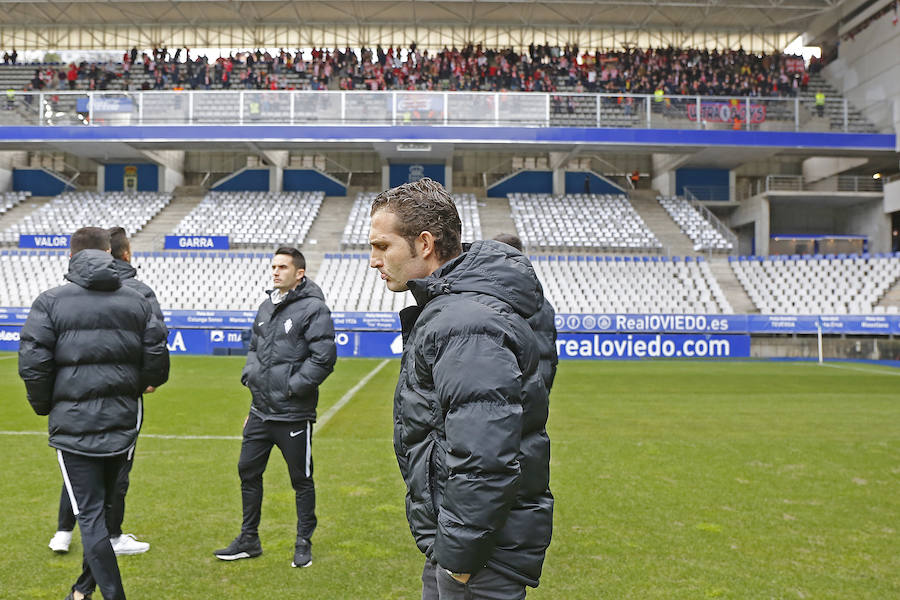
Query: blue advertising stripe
[461, 134]
[633, 346]
[196, 242]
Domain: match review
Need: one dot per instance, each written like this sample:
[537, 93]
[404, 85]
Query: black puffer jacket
[127, 275]
[543, 323]
[470, 411]
[292, 351]
[88, 350]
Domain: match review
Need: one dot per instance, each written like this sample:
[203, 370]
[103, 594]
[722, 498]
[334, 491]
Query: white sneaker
[60, 541]
[128, 544]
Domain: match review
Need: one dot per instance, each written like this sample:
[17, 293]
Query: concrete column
[385, 175]
[276, 178]
[101, 177]
[448, 175]
[662, 174]
[755, 210]
[171, 168]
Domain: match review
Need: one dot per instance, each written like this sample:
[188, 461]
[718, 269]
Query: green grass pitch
[672, 480]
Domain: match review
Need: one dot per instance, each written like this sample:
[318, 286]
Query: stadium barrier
[581, 336]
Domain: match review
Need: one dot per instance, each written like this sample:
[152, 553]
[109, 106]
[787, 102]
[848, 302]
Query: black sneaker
[243, 546]
[302, 553]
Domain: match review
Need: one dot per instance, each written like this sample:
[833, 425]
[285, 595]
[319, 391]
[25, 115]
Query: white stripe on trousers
[65, 474]
[308, 457]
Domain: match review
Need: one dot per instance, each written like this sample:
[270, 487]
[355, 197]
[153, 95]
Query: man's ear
[426, 244]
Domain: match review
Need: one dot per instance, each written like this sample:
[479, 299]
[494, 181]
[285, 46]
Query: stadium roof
[59, 19]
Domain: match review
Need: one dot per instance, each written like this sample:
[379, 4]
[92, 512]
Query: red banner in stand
[725, 112]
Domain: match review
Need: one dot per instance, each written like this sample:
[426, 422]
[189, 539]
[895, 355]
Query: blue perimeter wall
[147, 177]
[249, 180]
[39, 182]
[575, 184]
[524, 182]
[310, 180]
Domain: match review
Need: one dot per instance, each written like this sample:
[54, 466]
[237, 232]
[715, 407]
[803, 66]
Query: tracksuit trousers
[115, 510]
[90, 482]
[294, 439]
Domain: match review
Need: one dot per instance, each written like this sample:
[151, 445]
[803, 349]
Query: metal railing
[713, 220]
[838, 183]
[490, 109]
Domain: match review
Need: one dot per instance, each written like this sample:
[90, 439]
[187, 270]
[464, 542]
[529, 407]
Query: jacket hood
[94, 270]
[124, 269]
[487, 267]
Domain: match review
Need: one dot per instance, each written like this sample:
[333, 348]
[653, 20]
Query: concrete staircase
[661, 224]
[495, 217]
[152, 236]
[17, 213]
[325, 233]
[892, 297]
[734, 292]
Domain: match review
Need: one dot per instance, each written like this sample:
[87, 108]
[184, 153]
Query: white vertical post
[747, 113]
[699, 112]
[241, 100]
[496, 110]
[90, 108]
[393, 108]
[292, 107]
[343, 107]
[796, 113]
[41, 109]
[598, 110]
[547, 108]
[191, 106]
[140, 108]
[649, 117]
[819, 328]
[446, 107]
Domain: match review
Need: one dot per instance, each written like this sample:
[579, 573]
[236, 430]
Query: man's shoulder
[454, 313]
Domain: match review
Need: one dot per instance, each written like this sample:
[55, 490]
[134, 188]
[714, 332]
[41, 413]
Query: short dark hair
[118, 242]
[296, 256]
[424, 205]
[510, 240]
[89, 238]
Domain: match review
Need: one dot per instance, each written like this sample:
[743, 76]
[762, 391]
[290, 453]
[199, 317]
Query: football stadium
[708, 193]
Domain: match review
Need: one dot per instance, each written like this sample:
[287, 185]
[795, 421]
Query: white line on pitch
[6, 357]
[861, 369]
[323, 420]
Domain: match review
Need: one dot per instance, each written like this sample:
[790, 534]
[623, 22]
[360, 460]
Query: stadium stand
[9, 200]
[71, 210]
[350, 284]
[588, 222]
[830, 284]
[356, 232]
[254, 218]
[648, 284]
[703, 233]
[24, 274]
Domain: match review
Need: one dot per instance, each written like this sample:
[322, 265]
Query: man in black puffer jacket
[292, 351]
[88, 350]
[471, 405]
[123, 544]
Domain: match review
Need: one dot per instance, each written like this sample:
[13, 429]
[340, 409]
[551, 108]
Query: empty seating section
[173, 275]
[26, 273]
[703, 233]
[818, 284]
[350, 284]
[648, 284]
[356, 232]
[9, 200]
[72, 210]
[254, 218]
[580, 222]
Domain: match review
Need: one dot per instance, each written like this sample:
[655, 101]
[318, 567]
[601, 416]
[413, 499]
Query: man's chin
[396, 286]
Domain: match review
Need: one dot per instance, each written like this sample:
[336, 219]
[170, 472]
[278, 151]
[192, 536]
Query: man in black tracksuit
[471, 403]
[292, 351]
[126, 544]
[88, 350]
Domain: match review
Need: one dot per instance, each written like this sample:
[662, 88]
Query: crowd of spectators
[541, 68]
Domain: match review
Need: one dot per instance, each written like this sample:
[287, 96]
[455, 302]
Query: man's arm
[479, 381]
[252, 362]
[155, 363]
[319, 335]
[37, 366]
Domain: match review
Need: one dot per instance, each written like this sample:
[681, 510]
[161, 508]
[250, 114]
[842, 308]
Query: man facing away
[292, 351]
[123, 544]
[470, 407]
[88, 350]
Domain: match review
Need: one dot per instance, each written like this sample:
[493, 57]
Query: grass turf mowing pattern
[672, 479]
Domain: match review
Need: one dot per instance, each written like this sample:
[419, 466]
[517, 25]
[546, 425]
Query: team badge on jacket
[287, 325]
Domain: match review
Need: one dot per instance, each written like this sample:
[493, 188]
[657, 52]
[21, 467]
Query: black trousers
[294, 439]
[90, 482]
[115, 510]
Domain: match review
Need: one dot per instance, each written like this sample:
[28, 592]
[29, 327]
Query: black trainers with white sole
[302, 553]
[243, 546]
